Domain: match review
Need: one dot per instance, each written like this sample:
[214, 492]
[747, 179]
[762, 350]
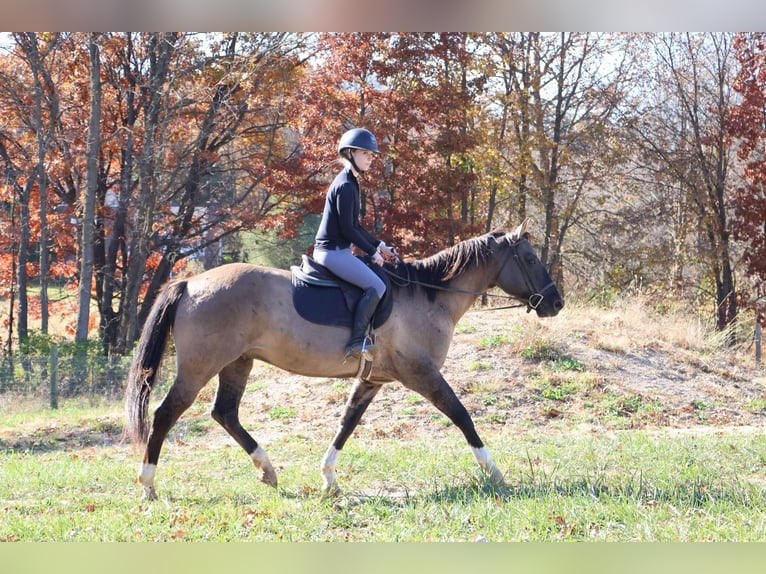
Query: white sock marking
[146, 476]
[328, 467]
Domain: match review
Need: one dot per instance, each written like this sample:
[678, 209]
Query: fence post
[54, 376]
[757, 342]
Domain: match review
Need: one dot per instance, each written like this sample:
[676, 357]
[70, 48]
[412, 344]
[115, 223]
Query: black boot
[365, 308]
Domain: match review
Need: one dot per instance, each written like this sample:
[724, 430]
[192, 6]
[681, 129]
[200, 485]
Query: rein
[532, 302]
[410, 281]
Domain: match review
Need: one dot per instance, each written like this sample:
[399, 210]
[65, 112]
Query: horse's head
[523, 275]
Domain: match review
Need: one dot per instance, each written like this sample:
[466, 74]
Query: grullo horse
[223, 319]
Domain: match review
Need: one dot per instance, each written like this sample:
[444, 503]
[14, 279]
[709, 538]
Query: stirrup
[364, 350]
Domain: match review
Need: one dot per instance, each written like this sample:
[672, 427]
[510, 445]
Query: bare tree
[558, 99]
[680, 129]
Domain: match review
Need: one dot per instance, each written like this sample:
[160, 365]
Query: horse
[225, 318]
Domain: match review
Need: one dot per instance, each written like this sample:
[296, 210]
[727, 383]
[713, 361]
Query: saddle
[323, 298]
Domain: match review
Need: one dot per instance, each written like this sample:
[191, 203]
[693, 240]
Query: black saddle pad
[321, 297]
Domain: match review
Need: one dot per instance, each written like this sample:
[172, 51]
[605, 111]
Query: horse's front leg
[433, 387]
[361, 395]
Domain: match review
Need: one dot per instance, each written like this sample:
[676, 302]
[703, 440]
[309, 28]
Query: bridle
[531, 303]
[537, 297]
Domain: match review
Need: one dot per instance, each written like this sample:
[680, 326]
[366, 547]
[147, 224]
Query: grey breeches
[346, 266]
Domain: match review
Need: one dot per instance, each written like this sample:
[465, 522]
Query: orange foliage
[747, 122]
[243, 136]
[415, 193]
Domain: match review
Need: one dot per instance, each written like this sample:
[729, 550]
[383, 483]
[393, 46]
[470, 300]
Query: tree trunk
[34, 60]
[91, 189]
[22, 279]
[112, 248]
[161, 47]
[19, 248]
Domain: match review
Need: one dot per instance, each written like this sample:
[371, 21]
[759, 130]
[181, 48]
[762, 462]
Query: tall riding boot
[365, 308]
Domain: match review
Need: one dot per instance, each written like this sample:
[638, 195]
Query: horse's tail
[147, 359]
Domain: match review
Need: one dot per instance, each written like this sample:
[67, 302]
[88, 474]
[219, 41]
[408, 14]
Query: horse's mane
[449, 263]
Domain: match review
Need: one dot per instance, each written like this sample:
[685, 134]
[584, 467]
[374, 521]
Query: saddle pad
[332, 301]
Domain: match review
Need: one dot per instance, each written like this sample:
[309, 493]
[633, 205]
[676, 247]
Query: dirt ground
[598, 371]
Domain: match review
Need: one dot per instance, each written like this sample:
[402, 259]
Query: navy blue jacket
[340, 225]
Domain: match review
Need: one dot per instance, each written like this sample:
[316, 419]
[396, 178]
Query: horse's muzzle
[546, 303]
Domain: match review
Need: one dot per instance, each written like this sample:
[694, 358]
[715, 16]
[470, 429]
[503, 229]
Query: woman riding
[340, 229]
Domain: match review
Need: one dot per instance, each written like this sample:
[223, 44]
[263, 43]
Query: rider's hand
[378, 259]
[388, 252]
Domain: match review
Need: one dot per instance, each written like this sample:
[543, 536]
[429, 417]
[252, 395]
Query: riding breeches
[345, 265]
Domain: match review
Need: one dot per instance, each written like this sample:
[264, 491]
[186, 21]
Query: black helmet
[358, 138]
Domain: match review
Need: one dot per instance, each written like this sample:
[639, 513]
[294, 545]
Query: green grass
[479, 366]
[281, 412]
[463, 328]
[629, 405]
[540, 350]
[617, 486]
[557, 392]
[494, 340]
[757, 405]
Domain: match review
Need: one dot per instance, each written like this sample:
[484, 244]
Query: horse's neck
[464, 290]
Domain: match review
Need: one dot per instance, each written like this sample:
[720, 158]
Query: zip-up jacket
[340, 225]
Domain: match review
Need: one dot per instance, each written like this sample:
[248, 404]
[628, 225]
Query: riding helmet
[358, 138]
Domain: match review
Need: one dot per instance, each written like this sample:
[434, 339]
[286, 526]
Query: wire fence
[57, 377]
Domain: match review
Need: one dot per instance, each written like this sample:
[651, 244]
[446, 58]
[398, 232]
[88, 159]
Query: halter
[532, 302]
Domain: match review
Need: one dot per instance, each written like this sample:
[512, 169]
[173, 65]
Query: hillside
[587, 370]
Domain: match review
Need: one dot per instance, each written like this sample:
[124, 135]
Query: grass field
[619, 486]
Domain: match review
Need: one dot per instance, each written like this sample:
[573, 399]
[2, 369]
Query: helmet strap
[350, 158]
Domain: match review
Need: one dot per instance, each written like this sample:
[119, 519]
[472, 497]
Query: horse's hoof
[331, 491]
[262, 462]
[269, 477]
[496, 478]
[150, 493]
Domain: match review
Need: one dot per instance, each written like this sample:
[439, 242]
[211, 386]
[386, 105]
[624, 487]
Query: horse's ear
[521, 230]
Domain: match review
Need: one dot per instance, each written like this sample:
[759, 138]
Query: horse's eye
[531, 260]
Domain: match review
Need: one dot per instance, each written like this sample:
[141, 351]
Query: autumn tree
[343, 89]
[549, 144]
[28, 146]
[192, 148]
[748, 125]
[417, 93]
[446, 75]
[208, 160]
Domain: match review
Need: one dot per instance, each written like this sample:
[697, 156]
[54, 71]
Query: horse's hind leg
[179, 398]
[231, 386]
[360, 398]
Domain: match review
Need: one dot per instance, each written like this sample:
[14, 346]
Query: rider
[340, 229]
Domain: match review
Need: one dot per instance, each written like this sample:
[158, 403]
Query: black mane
[439, 269]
